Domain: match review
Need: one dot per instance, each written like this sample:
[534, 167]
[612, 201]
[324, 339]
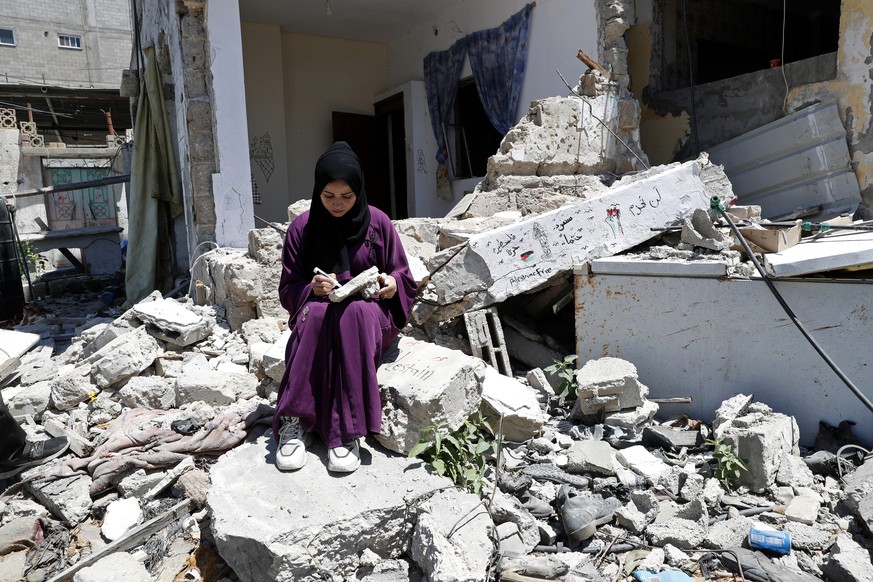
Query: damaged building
[618, 287]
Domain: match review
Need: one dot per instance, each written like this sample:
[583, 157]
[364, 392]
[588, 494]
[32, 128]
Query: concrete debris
[167, 405]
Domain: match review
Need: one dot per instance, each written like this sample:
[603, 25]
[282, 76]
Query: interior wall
[265, 114]
[322, 75]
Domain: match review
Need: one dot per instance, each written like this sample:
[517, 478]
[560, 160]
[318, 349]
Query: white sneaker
[291, 452]
[344, 459]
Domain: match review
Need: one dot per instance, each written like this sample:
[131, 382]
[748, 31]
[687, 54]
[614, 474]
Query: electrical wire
[782, 55]
[840, 456]
[691, 80]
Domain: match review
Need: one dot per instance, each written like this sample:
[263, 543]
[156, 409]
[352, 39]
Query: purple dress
[331, 358]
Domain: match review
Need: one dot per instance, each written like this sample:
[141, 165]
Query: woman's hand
[388, 286]
[322, 286]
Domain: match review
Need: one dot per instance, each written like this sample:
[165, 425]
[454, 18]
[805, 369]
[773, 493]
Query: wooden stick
[592, 64]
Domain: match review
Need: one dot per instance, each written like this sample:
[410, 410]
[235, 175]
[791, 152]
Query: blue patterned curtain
[442, 72]
[497, 58]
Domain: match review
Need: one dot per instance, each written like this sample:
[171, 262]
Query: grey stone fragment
[30, 400]
[71, 388]
[729, 533]
[123, 358]
[466, 553]
[398, 570]
[507, 508]
[138, 483]
[698, 230]
[170, 321]
[515, 402]
[805, 537]
[114, 567]
[609, 384]
[360, 283]
[193, 485]
[214, 388]
[639, 512]
[37, 366]
[591, 456]
[273, 361]
[793, 471]
[858, 489]
[149, 392]
[510, 540]
[682, 533]
[66, 497]
[803, 509]
[848, 562]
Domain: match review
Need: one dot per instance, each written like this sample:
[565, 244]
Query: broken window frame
[456, 136]
[70, 41]
[11, 35]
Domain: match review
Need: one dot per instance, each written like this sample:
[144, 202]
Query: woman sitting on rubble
[330, 385]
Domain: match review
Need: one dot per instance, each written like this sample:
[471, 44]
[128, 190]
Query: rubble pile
[171, 469]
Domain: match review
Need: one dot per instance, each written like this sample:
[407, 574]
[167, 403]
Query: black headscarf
[328, 239]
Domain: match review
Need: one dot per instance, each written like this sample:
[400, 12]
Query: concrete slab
[837, 250]
[520, 257]
[269, 525]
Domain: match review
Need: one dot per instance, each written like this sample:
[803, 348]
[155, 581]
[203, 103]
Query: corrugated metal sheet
[796, 163]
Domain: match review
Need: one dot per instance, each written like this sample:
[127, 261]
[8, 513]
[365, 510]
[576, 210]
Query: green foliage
[730, 465]
[566, 371]
[31, 261]
[461, 455]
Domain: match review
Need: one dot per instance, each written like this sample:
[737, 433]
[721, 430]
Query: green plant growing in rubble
[729, 463]
[30, 260]
[461, 455]
[565, 370]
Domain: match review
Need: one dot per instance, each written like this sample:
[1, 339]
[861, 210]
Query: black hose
[615, 549]
[716, 205]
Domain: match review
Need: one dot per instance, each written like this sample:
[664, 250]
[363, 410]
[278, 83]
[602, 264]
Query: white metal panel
[837, 250]
[800, 161]
[713, 338]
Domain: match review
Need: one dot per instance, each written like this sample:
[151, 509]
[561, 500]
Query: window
[69, 41]
[7, 37]
[472, 139]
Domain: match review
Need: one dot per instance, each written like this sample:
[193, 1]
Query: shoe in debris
[582, 514]
[345, 458]
[34, 453]
[536, 506]
[551, 472]
[291, 452]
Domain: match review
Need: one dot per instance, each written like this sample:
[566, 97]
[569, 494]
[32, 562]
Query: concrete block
[682, 533]
[421, 384]
[67, 498]
[609, 383]
[729, 533]
[268, 524]
[114, 567]
[521, 257]
[451, 539]
[515, 402]
[849, 562]
[215, 388]
[803, 509]
[642, 462]
[170, 321]
[273, 361]
[149, 392]
[763, 439]
[30, 400]
[123, 358]
[71, 388]
[590, 456]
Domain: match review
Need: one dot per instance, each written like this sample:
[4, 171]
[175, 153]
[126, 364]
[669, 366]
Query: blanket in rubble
[142, 438]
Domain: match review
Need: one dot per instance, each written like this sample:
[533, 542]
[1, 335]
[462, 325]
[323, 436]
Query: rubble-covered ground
[168, 404]
[152, 396]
